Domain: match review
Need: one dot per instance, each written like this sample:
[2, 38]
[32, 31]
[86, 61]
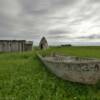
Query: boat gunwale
[94, 60]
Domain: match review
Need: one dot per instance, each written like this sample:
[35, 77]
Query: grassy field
[24, 77]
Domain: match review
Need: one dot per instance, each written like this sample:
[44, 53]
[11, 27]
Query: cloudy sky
[60, 21]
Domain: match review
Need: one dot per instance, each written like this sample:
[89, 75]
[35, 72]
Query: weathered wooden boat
[75, 69]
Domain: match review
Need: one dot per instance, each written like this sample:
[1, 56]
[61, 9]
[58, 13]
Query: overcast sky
[60, 21]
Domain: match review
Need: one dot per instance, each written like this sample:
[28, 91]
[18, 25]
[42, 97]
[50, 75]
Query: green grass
[24, 77]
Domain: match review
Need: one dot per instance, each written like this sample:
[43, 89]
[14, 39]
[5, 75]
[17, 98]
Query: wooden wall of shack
[14, 46]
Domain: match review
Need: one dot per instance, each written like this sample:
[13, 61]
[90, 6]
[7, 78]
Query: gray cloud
[93, 36]
[58, 31]
[65, 20]
[44, 6]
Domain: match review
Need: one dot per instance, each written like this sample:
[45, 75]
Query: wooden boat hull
[83, 72]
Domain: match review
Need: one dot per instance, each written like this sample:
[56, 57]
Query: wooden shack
[43, 43]
[28, 45]
[14, 46]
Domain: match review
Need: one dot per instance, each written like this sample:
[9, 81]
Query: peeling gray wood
[15, 45]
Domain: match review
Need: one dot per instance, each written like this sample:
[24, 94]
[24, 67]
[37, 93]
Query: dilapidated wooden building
[28, 45]
[43, 43]
[15, 45]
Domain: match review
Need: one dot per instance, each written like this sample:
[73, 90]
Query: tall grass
[24, 77]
